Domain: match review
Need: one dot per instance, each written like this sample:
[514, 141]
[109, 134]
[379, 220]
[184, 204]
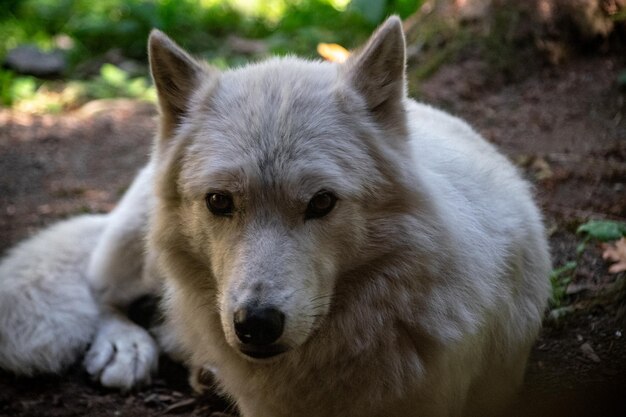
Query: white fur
[47, 314]
[122, 354]
[60, 292]
[419, 294]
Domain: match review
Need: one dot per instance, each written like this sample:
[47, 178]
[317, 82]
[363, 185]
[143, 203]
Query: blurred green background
[104, 42]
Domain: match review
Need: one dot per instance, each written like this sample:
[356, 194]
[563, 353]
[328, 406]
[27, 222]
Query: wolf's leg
[116, 267]
[47, 313]
[122, 355]
[202, 379]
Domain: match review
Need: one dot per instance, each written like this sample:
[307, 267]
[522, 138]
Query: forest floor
[564, 126]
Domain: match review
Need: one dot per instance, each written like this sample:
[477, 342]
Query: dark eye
[320, 205]
[220, 204]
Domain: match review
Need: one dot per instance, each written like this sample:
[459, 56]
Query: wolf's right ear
[176, 76]
[378, 73]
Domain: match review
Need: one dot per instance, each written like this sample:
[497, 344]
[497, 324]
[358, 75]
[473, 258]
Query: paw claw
[122, 355]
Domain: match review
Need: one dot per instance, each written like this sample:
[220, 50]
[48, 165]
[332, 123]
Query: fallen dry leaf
[615, 253]
[333, 52]
[182, 406]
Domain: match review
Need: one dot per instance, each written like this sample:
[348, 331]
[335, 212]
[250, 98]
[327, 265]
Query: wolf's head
[273, 181]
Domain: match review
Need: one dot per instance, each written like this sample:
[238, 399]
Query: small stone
[589, 352]
[28, 59]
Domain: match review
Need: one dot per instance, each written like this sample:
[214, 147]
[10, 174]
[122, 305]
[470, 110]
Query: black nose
[259, 326]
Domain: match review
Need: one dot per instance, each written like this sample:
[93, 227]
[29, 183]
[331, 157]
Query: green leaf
[603, 230]
[113, 75]
[558, 272]
[23, 88]
[560, 279]
[580, 248]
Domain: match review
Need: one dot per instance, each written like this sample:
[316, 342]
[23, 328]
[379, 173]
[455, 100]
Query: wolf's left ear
[377, 71]
[176, 76]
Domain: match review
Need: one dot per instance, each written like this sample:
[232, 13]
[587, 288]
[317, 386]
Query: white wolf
[325, 244]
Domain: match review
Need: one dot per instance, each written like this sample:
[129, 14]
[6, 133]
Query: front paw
[122, 355]
[202, 379]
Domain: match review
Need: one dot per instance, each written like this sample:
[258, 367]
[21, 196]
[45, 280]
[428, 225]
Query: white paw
[122, 355]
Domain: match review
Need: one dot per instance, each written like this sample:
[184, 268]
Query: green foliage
[96, 27]
[600, 230]
[620, 16]
[603, 230]
[14, 88]
[31, 94]
[115, 82]
[89, 29]
[372, 10]
[560, 279]
[375, 11]
[308, 23]
[99, 26]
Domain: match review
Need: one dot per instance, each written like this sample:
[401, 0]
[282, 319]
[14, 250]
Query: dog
[325, 245]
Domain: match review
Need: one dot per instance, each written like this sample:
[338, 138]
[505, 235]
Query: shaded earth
[564, 126]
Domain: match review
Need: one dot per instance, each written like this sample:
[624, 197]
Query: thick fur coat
[399, 257]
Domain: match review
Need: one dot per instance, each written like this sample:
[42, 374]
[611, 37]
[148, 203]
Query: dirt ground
[564, 126]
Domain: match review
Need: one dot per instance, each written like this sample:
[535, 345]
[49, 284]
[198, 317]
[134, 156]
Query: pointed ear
[377, 72]
[176, 76]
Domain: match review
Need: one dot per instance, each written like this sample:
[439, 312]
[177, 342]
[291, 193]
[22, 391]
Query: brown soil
[564, 126]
